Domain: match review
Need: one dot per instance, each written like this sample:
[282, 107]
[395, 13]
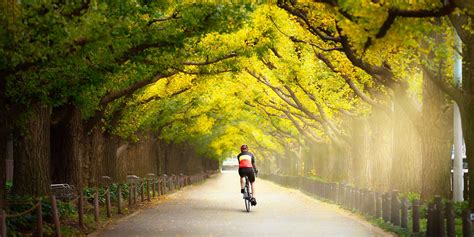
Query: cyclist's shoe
[253, 201]
[242, 190]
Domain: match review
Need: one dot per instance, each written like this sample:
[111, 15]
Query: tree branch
[394, 13]
[301, 15]
[208, 62]
[172, 16]
[455, 94]
[351, 84]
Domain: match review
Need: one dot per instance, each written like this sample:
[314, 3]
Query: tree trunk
[466, 104]
[308, 161]
[467, 108]
[3, 152]
[380, 150]
[359, 152]
[341, 164]
[32, 155]
[468, 132]
[67, 148]
[436, 135]
[406, 160]
[93, 161]
[110, 156]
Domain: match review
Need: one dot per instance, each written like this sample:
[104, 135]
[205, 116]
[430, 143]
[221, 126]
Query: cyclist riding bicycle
[247, 168]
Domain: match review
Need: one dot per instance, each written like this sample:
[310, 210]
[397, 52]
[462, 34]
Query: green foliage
[89, 193]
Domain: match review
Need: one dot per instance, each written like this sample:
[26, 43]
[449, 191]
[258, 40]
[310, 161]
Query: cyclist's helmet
[244, 148]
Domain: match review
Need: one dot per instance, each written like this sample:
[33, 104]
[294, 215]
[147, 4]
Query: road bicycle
[247, 194]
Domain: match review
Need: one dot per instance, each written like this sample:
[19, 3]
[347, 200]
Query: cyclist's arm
[253, 163]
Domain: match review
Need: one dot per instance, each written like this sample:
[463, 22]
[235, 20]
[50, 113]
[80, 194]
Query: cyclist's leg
[242, 180]
[252, 181]
[253, 189]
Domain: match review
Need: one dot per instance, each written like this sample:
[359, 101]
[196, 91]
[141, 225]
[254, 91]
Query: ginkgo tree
[283, 77]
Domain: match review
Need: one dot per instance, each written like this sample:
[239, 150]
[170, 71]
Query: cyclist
[247, 168]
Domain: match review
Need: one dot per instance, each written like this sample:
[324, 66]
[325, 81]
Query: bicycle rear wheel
[247, 195]
[247, 204]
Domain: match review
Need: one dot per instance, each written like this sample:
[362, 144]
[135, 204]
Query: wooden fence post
[466, 223]
[134, 193]
[96, 205]
[450, 229]
[119, 199]
[130, 198]
[386, 207]
[142, 190]
[466, 187]
[416, 216]
[438, 217]
[429, 224]
[404, 220]
[148, 189]
[153, 188]
[39, 219]
[80, 209]
[3, 223]
[55, 215]
[378, 205]
[108, 204]
[395, 210]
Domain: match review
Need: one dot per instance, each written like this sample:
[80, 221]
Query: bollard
[96, 205]
[466, 223]
[119, 199]
[395, 209]
[450, 229]
[404, 220]
[55, 215]
[108, 203]
[39, 219]
[3, 223]
[416, 216]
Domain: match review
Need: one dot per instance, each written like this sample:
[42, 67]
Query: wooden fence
[388, 206]
[139, 190]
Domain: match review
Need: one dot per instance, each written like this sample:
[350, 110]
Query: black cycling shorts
[249, 172]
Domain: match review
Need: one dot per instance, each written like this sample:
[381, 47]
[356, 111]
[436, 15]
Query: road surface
[216, 208]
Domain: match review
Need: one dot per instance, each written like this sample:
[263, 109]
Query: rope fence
[151, 186]
[391, 207]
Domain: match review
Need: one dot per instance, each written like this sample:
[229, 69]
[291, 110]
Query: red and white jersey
[246, 159]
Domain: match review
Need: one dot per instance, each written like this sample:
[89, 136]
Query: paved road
[216, 208]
